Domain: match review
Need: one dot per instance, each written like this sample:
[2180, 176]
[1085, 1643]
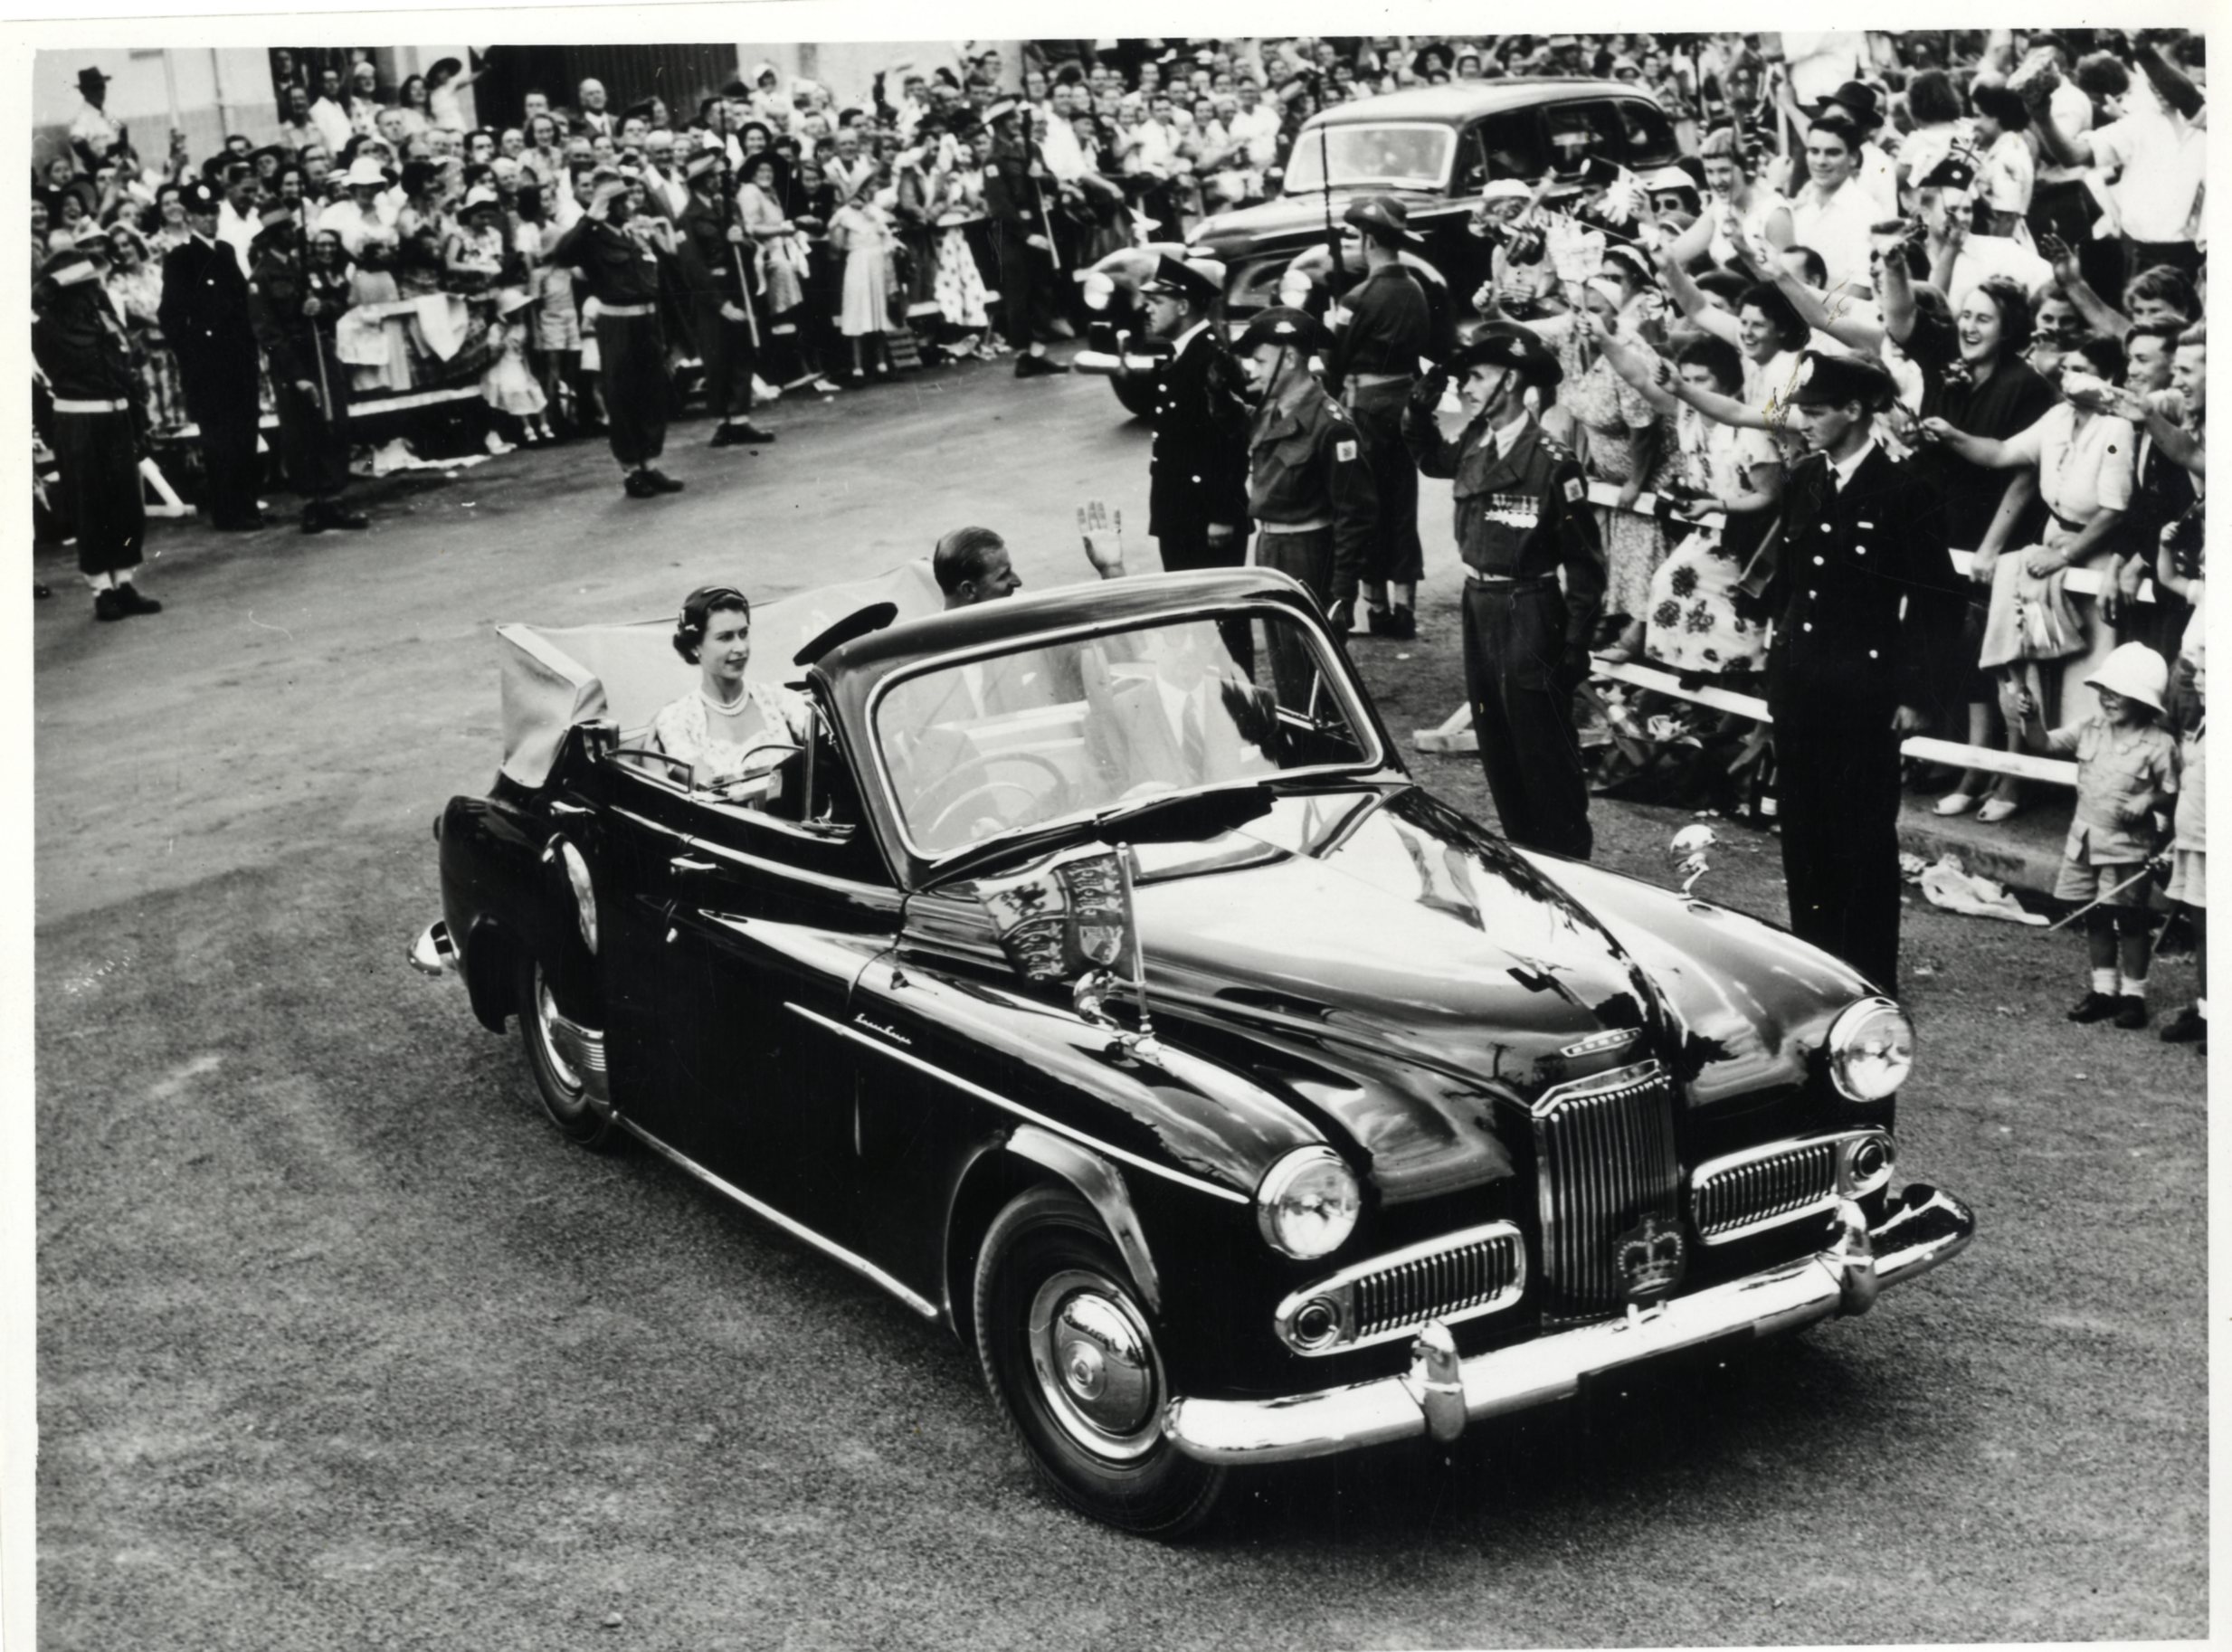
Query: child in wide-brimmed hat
[2127, 774]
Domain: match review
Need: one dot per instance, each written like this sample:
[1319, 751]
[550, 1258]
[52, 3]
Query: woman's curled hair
[697, 610]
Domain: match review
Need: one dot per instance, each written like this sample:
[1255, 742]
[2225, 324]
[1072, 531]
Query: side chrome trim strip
[1017, 1107]
[830, 1248]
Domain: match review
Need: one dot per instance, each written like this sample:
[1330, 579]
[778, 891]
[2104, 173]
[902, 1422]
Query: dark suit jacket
[204, 319]
[1865, 601]
[1199, 474]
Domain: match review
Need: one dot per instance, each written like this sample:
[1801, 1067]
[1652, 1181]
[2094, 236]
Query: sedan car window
[1578, 130]
[1014, 742]
[1512, 144]
[1416, 156]
[1650, 139]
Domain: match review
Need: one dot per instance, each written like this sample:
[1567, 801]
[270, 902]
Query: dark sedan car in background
[1097, 983]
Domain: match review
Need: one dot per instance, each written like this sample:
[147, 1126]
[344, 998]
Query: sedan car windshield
[1416, 156]
[1016, 741]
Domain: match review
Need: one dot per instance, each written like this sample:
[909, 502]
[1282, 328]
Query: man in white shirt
[331, 112]
[2157, 162]
[94, 129]
[1256, 123]
[237, 224]
[1834, 212]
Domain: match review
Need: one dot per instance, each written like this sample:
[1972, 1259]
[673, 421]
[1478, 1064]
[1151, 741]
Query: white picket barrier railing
[1454, 732]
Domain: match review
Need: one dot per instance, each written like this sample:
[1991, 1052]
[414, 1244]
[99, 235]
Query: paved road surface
[340, 1346]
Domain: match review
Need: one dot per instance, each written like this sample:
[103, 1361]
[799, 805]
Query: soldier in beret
[1197, 487]
[294, 309]
[1375, 362]
[203, 315]
[1864, 602]
[1523, 514]
[98, 427]
[621, 273]
[720, 266]
[1309, 489]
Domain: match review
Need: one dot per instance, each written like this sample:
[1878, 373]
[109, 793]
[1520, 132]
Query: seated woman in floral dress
[724, 728]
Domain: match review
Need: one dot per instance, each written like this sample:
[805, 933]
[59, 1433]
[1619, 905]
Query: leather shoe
[338, 516]
[639, 485]
[741, 436]
[1402, 624]
[2093, 1006]
[660, 482]
[108, 605]
[2189, 1026]
[130, 599]
[1038, 366]
[2132, 1013]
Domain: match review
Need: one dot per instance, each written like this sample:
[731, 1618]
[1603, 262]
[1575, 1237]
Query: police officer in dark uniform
[1375, 362]
[1197, 484]
[98, 427]
[1522, 514]
[621, 271]
[294, 309]
[720, 266]
[203, 315]
[1865, 603]
[1015, 187]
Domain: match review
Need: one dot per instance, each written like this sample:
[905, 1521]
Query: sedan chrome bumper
[434, 953]
[1922, 1228]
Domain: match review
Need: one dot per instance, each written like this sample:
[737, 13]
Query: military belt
[627, 311]
[1317, 527]
[74, 405]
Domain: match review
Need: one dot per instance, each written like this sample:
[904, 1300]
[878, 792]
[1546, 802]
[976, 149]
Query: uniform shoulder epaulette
[1558, 451]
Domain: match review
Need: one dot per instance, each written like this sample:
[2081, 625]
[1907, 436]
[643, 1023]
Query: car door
[774, 912]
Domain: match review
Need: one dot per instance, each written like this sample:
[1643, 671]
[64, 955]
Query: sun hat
[2133, 673]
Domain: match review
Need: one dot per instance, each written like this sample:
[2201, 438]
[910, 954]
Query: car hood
[1288, 218]
[1395, 971]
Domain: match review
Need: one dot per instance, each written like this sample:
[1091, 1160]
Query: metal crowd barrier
[1454, 732]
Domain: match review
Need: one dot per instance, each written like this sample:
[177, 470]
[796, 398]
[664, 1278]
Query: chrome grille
[1438, 1285]
[1457, 1277]
[1763, 1187]
[1605, 1159]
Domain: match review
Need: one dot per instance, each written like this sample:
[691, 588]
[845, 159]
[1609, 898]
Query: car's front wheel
[1070, 1352]
[567, 1057]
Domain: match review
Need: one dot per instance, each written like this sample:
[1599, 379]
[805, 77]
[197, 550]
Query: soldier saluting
[1865, 606]
[1309, 489]
[621, 273]
[1523, 516]
[99, 423]
[294, 304]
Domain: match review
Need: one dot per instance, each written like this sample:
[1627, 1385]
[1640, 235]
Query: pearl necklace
[722, 706]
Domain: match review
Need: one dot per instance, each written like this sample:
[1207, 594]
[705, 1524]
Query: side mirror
[1688, 851]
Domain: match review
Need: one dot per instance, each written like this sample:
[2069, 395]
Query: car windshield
[1413, 155]
[1073, 729]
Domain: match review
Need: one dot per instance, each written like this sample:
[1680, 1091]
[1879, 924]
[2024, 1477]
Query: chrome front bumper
[434, 953]
[1441, 1393]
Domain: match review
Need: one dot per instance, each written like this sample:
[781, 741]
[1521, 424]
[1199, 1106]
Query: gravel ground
[340, 1345]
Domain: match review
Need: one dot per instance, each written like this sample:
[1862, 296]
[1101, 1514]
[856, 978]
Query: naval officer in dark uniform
[203, 315]
[1375, 362]
[1522, 516]
[100, 426]
[1865, 606]
[1197, 485]
[622, 270]
[1309, 489]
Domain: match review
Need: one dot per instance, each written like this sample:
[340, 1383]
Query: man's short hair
[2162, 284]
[1812, 270]
[961, 557]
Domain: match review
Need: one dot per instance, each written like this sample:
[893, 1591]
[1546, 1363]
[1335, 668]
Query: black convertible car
[1099, 984]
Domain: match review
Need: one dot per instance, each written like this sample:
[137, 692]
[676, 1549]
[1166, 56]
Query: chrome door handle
[564, 810]
[682, 864]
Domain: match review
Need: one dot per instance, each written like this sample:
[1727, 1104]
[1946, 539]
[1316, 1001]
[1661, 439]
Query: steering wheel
[788, 748]
[965, 792]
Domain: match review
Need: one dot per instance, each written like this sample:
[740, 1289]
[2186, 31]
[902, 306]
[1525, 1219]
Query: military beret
[1831, 381]
[1201, 278]
[1283, 326]
[1507, 344]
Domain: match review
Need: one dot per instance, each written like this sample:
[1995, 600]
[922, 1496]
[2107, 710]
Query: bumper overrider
[1442, 1392]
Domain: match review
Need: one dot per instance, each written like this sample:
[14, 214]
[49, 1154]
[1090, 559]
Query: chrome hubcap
[1096, 1364]
[547, 1023]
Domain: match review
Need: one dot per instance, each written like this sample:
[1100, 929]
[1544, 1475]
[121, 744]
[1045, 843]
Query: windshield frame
[1354, 705]
[1307, 140]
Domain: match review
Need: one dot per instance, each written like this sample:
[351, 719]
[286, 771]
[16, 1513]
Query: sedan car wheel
[1070, 1352]
[566, 1058]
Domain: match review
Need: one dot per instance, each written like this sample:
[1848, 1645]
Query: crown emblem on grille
[1649, 1256]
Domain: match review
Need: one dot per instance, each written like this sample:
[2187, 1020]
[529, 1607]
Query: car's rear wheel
[1070, 1352]
[567, 1057]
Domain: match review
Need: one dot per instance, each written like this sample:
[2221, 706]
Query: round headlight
[1871, 1050]
[1308, 1204]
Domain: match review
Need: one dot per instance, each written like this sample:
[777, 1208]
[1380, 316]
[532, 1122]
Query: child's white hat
[2134, 671]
